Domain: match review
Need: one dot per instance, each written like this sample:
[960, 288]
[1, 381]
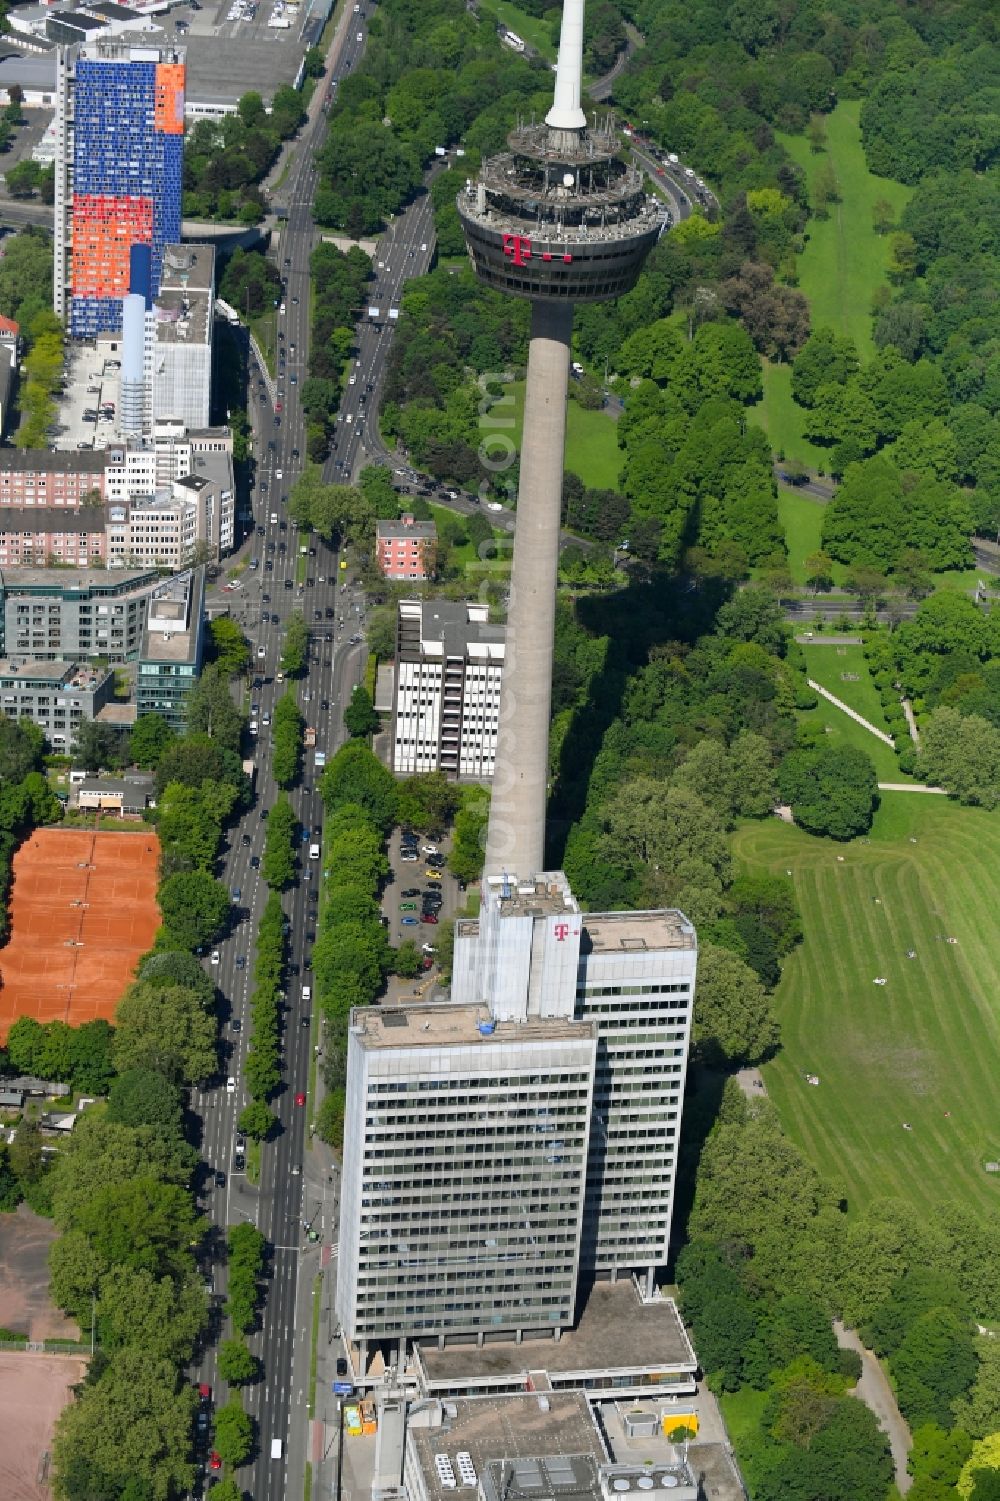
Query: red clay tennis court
[83, 909]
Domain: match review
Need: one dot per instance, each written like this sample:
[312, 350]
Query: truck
[250, 770]
[320, 759]
[309, 737]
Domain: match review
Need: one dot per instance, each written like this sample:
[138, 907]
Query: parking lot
[403, 902]
[92, 386]
[232, 49]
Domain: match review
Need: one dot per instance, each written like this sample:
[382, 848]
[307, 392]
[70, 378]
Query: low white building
[449, 665]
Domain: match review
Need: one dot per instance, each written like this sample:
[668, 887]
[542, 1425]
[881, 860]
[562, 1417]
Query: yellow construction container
[673, 1422]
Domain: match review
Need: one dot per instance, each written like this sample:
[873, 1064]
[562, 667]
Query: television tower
[559, 218]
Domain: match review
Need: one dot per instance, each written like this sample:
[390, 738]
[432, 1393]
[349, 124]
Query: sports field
[83, 909]
[924, 1048]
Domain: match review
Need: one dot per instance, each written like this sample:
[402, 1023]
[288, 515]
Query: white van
[274, 518]
[307, 992]
[314, 852]
[276, 1448]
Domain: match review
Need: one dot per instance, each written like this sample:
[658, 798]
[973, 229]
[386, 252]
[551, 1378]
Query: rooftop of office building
[56, 581]
[45, 461]
[84, 519]
[182, 318]
[430, 1026]
[188, 268]
[446, 628]
[616, 1333]
[487, 1429]
[174, 619]
[547, 895]
[59, 674]
[632, 932]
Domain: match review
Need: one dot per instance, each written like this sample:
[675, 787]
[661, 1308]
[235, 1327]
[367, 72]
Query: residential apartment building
[462, 1157]
[193, 516]
[173, 646]
[32, 537]
[39, 477]
[57, 696]
[449, 664]
[406, 549]
[53, 615]
[118, 180]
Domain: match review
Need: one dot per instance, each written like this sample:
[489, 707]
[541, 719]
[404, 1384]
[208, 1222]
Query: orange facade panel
[168, 110]
[104, 230]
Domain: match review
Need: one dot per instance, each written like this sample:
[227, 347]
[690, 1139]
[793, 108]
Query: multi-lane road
[284, 580]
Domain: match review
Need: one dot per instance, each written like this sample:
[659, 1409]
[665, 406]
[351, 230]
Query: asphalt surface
[277, 1206]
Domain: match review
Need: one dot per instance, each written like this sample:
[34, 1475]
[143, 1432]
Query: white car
[349, 418]
[352, 380]
[429, 849]
[231, 1085]
[279, 474]
[215, 956]
[493, 505]
[266, 720]
[261, 653]
[360, 37]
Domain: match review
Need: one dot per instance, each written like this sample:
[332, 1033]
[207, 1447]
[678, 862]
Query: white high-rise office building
[499, 1145]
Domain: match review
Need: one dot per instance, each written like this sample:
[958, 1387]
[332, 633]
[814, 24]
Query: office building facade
[52, 615]
[57, 696]
[173, 645]
[449, 664]
[465, 1146]
[119, 147]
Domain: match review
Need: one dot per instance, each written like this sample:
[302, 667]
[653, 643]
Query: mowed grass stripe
[925, 1047]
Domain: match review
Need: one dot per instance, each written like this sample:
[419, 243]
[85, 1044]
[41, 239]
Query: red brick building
[405, 549]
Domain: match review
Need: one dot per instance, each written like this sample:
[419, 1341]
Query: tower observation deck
[558, 218]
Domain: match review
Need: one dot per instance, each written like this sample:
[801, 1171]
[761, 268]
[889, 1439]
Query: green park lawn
[592, 449]
[828, 664]
[845, 260]
[783, 420]
[802, 520]
[843, 264]
[531, 29]
[923, 1048]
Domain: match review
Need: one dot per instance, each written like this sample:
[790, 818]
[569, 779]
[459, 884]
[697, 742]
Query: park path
[838, 703]
[912, 787]
[911, 721]
[874, 1391]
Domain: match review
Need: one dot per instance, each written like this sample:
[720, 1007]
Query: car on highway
[255, 862]
[214, 1461]
[215, 956]
[220, 1179]
[241, 963]
[410, 922]
[300, 1099]
[231, 1084]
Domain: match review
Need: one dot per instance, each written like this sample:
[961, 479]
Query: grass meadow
[925, 1047]
[592, 449]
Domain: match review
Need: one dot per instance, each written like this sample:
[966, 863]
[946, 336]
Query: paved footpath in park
[875, 1392]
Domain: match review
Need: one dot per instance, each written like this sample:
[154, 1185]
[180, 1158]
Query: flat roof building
[406, 549]
[449, 665]
[57, 696]
[172, 647]
[60, 615]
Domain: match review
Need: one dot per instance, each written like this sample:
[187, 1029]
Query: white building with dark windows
[449, 665]
[500, 1145]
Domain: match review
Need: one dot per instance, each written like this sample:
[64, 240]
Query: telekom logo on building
[518, 248]
[562, 931]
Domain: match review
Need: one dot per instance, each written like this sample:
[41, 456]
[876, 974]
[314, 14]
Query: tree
[935, 1364]
[233, 1433]
[295, 652]
[883, 216]
[133, 1422]
[211, 711]
[167, 1029]
[355, 775]
[162, 1316]
[141, 1223]
[330, 1119]
[144, 1097]
[819, 571]
[962, 753]
[231, 648]
[976, 1410]
[832, 790]
[195, 907]
[151, 737]
[237, 1365]
[733, 1020]
[25, 1152]
[256, 1120]
[985, 1456]
[360, 718]
[278, 863]
[97, 745]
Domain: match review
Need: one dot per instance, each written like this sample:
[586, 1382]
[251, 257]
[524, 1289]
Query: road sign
[343, 1389]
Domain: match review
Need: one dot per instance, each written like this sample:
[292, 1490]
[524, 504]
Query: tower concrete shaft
[516, 835]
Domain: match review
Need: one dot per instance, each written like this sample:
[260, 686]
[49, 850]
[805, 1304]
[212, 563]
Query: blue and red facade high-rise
[126, 149]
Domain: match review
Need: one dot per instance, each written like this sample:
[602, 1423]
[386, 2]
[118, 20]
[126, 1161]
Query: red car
[429, 917]
[300, 1099]
[205, 1392]
[214, 1461]
[278, 407]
